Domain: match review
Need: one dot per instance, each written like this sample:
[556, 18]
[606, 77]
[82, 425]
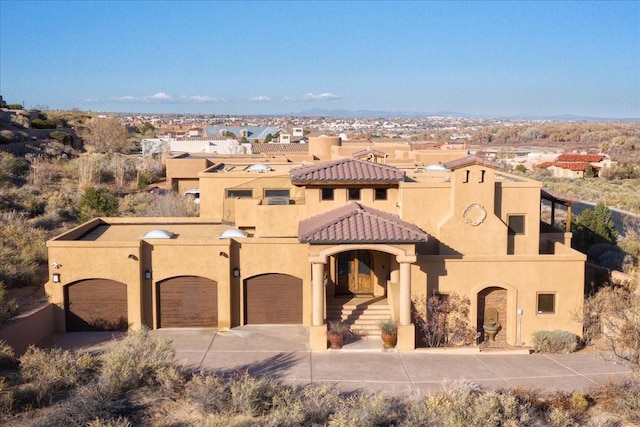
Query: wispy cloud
[165, 98]
[325, 96]
[287, 99]
[260, 98]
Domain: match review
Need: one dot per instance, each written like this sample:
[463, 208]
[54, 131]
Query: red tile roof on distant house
[356, 223]
[588, 158]
[472, 160]
[279, 148]
[369, 151]
[573, 166]
[346, 171]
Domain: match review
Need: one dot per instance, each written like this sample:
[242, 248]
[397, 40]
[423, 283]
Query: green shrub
[554, 341]
[62, 137]
[139, 360]
[96, 202]
[43, 124]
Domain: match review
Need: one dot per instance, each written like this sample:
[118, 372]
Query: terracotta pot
[389, 340]
[335, 340]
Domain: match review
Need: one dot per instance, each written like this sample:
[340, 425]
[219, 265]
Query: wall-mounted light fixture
[133, 257]
[56, 277]
[147, 274]
[236, 272]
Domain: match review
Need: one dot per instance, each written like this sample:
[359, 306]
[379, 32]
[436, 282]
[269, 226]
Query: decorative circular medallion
[474, 214]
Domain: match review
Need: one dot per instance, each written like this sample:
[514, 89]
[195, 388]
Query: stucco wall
[35, 328]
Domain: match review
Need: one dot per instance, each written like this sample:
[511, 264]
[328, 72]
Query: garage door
[96, 305]
[273, 299]
[187, 302]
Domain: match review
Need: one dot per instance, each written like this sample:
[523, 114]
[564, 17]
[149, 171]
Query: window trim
[266, 190]
[229, 196]
[554, 302]
[513, 231]
[386, 194]
[328, 197]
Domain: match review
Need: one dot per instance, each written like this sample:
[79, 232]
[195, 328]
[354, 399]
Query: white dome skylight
[258, 167]
[158, 233]
[435, 168]
[233, 233]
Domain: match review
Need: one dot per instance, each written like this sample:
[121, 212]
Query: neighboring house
[576, 165]
[253, 134]
[362, 231]
[154, 146]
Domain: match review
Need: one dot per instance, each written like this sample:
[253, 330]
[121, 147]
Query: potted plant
[336, 333]
[389, 333]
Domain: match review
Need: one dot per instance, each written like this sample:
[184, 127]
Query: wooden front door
[355, 273]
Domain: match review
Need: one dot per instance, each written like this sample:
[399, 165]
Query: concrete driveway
[283, 352]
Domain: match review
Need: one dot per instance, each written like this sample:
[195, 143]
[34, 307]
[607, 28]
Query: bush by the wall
[555, 342]
[43, 124]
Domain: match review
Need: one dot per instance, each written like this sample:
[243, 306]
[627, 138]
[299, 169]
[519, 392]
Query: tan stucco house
[342, 229]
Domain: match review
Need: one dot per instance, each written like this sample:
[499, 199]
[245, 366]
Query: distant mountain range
[412, 114]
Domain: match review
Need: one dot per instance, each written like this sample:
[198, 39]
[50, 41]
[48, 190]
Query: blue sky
[479, 58]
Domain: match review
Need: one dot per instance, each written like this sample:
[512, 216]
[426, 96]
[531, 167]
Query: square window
[546, 303]
[239, 194]
[380, 194]
[353, 193]
[516, 224]
[327, 194]
[276, 193]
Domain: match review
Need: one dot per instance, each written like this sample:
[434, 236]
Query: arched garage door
[96, 305]
[187, 302]
[273, 299]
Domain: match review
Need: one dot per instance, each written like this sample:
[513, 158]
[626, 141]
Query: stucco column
[317, 278]
[394, 274]
[405, 293]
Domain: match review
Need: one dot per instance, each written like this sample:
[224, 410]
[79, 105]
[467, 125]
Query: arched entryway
[493, 297]
[273, 299]
[96, 305]
[355, 274]
[187, 301]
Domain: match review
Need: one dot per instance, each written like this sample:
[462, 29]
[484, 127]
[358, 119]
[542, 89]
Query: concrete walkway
[283, 352]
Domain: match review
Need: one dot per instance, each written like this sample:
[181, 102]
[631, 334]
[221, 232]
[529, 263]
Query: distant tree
[244, 140]
[146, 129]
[268, 138]
[97, 202]
[230, 135]
[106, 135]
[593, 226]
[521, 168]
[589, 172]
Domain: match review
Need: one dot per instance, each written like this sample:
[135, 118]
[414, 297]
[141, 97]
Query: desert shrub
[139, 360]
[7, 356]
[208, 392]
[463, 403]
[154, 205]
[118, 422]
[62, 137]
[366, 410]
[252, 395]
[612, 313]
[554, 341]
[95, 203]
[22, 249]
[443, 321]
[89, 404]
[44, 171]
[43, 124]
[11, 167]
[48, 374]
[6, 397]
[308, 406]
[622, 398]
[8, 307]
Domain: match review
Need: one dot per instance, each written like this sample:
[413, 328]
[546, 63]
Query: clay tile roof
[356, 223]
[343, 171]
[279, 148]
[573, 166]
[589, 158]
[557, 196]
[367, 152]
[471, 160]
[544, 165]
